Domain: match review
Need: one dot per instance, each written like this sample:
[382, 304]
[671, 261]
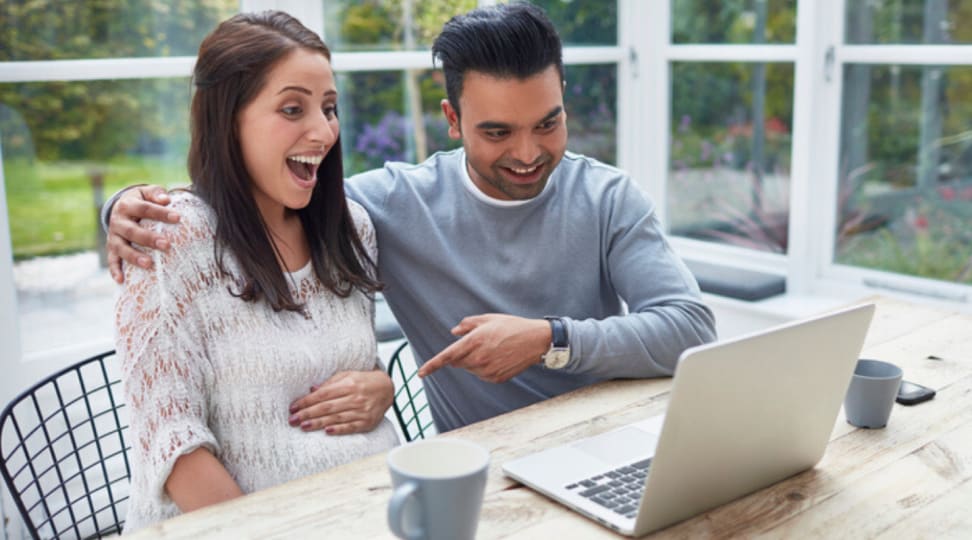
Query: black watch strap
[558, 330]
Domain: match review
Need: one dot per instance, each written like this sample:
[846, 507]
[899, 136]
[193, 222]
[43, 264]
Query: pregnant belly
[274, 455]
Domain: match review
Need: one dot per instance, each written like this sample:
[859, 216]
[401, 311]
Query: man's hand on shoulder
[124, 228]
[494, 347]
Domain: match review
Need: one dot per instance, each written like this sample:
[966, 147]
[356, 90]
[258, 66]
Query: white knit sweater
[203, 368]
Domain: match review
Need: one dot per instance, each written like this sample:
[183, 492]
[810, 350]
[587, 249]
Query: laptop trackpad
[623, 445]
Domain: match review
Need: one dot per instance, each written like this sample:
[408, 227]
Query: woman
[267, 287]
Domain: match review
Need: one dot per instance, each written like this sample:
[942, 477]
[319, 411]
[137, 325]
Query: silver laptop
[743, 414]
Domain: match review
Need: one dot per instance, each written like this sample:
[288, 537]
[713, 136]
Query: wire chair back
[411, 403]
[63, 454]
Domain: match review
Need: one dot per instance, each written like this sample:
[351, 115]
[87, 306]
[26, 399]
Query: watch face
[557, 358]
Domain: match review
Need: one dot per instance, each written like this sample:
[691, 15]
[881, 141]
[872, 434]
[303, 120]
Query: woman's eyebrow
[300, 89]
[303, 90]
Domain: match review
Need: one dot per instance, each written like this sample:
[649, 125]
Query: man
[478, 245]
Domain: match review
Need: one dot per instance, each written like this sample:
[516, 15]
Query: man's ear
[455, 132]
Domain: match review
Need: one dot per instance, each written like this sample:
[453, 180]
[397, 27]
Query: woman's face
[286, 131]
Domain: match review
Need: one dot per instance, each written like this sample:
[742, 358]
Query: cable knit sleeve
[163, 354]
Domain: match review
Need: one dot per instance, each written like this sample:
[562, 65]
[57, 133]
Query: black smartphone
[911, 393]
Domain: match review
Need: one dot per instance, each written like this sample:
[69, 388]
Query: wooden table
[910, 480]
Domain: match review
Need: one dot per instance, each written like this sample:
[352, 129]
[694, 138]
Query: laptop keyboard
[618, 490]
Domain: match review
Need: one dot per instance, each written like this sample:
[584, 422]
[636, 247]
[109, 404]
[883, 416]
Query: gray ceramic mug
[871, 394]
[438, 486]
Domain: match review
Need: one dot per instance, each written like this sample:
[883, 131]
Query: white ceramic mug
[438, 486]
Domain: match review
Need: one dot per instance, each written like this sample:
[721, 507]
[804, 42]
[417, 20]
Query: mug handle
[396, 506]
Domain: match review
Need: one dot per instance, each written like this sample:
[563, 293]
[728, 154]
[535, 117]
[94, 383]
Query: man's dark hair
[504, 41]
[230, 71]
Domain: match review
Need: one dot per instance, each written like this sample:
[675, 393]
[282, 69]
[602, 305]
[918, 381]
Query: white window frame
[649, 160]
[833, 275]
[808, 266]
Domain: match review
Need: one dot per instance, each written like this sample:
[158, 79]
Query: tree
[97, 120]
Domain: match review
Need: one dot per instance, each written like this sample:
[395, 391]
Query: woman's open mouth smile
[303, 169]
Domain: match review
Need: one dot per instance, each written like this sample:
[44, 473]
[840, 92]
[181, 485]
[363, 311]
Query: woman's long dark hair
[230, 71]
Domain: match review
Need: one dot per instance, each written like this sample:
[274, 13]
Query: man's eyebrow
[552, 114]
[501, 125]
[492, 125]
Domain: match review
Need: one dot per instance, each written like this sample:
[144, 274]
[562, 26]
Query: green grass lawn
[52, 207]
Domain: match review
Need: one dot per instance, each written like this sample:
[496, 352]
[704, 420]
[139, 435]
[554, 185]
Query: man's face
[514, 131]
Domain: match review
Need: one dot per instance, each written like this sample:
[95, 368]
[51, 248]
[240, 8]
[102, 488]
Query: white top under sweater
[203, 368]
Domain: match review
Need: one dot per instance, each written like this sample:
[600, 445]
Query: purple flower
[384, 141]
[686, 122]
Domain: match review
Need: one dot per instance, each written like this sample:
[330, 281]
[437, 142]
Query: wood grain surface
[909, 480]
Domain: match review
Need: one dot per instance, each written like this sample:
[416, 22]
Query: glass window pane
[905, 199]
[729, 170]
[356, 25]
[591, 102]
[412, 24]
[734, 21]
[31, 30]
[391, 116]
[66, 146]
[909, 22]
[583, 22]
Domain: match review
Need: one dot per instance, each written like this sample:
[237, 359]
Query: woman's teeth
[304, 166]
[310, 160]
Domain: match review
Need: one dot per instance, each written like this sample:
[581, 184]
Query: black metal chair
[411, 404]
[63, 454]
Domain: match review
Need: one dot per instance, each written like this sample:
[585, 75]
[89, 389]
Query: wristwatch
[559, 353]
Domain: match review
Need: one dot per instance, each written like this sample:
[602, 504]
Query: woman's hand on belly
[348, 402]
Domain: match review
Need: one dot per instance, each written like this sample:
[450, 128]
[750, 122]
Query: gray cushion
[737, 283]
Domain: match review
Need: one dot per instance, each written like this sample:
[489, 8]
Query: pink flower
[921, 222]
[947, 193]
[775, 125]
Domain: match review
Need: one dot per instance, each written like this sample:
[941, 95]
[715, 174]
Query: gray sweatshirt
[588, 244]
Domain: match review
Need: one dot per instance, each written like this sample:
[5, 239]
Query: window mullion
[10, 353]
[96, 69]
[959, 55]
[733, 53]
[628, 106]
[648, 145]
[825, 165]
[809, 88]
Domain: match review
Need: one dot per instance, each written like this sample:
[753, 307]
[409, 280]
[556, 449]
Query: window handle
[829, 64]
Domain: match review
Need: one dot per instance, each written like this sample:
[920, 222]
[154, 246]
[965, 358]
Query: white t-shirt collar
[478, 193]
